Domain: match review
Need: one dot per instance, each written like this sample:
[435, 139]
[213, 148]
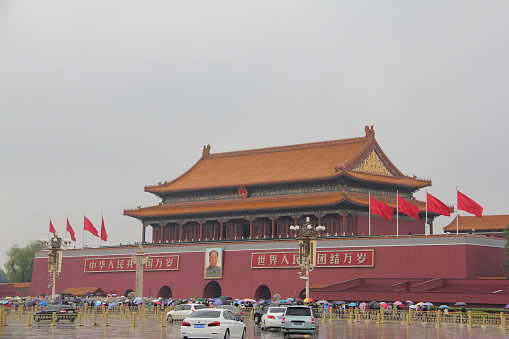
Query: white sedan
[273, 317]
[212, 323]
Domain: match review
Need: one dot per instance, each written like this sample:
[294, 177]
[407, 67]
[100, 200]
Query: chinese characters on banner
[341, 258]
[125, 264]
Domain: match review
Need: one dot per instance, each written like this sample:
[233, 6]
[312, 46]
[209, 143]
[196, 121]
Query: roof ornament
[370, 132]
[206, 151]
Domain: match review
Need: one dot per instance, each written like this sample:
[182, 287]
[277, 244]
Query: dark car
[61, 312]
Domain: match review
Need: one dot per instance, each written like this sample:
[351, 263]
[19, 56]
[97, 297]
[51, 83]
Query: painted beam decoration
[338, 258]
[125, 264]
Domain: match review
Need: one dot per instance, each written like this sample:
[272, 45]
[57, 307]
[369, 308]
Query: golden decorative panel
[373, 164]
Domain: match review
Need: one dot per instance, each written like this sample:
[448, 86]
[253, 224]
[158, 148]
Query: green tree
[20, 262]
[506, 236]
[3, 277]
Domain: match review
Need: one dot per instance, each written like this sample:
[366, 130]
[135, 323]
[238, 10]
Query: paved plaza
[335, 329]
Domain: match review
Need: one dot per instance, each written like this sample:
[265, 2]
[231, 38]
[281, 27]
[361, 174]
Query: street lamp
[55, 247]
[307, 235]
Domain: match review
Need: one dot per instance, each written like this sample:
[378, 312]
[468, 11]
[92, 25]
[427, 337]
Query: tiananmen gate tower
[241, 205]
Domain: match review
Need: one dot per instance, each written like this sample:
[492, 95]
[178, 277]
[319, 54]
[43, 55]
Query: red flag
[435, 205]
[468, 205]
[104, 235]
[70, 230]
[52, 229]
[89, 227]
[407, 208]
[381, 209]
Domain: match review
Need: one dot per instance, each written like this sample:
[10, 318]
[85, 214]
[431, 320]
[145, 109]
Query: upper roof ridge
[369, 134]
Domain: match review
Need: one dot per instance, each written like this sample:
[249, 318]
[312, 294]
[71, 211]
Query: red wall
[399, 259]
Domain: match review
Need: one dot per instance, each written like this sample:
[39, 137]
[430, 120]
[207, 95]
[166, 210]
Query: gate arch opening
[126, 293]
[212, 290]
[262, 292]
[165, 292]
[302, 294]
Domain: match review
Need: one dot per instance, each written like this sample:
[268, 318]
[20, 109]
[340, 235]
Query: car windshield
[199, 307]
[302, 311]
[205, 314]
[231, 308]
[277, 310]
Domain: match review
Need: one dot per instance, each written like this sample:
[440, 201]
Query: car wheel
[257, 319]
[170, 319]
[227, 334]
[244, 334]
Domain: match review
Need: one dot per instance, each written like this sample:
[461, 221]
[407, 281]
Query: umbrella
[445, 306]
[362, 305]
[98, 303]
[506, 306]
[201, 299]
[251, 300]
[57, 295]
[428, 304]
[29, 304]
[36, 300]
[412, 307]
[409, 302]
[340, 302]
[398, 303]
[308, 300]
[44, 303]
[222, 297]
[460, 303]
[320, 302]
[227, 302]
[218, 302]
[352, 304]
[77, 300]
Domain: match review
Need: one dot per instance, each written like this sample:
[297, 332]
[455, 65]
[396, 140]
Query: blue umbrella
[44, 303]
[444, 306]
[352, 304]
[98, 303]
[218, 302]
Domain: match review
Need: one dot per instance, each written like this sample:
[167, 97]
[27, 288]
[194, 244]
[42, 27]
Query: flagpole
[397, 214]
[427, 213]
[369, 195]
[49, 232]
[101, 235]
[83, 230]
[457, 213]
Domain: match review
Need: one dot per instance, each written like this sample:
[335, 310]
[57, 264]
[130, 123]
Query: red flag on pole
[381, 209]
[468, 205]
[104, 235]
[89, 227]
[52, 229]
[435, 205]
[408, 208]
[71, 231]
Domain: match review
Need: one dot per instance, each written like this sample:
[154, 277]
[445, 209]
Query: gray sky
[100, 98]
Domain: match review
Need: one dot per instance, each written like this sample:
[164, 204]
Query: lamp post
[55, 247]
[307, 235]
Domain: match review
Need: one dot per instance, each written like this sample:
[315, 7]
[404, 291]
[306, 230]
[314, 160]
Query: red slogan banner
[126, 264]
[340, 258]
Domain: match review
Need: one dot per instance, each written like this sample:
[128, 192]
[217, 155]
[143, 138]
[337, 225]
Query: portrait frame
[208, 274]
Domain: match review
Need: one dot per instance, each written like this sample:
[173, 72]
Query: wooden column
[181, 225]
[251, 228]
[343, 226]
[201, 230]
[274, 228]
[320, 220]
[221, 230]
[143, 233]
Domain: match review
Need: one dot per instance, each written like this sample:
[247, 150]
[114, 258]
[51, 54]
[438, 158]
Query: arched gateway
[262, 292]
[212, 290]
[165, 292]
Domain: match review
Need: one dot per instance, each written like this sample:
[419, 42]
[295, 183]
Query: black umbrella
[460, 303]
[374, 305]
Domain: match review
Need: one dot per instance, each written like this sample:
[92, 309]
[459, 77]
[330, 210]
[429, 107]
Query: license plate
[281, 317]
[298, 323]
[199, 325]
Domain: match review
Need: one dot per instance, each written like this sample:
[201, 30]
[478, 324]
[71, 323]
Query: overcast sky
[100, 98]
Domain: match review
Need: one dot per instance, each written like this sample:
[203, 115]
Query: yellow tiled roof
[265, 203]
[294, 163]
[484, 223]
